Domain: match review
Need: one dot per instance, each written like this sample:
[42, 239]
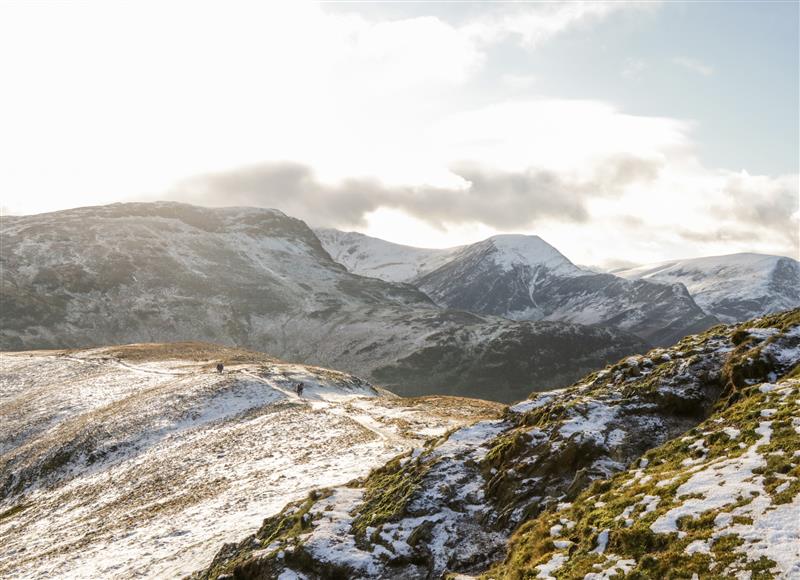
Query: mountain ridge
[257, 278]
[732, 287]
[140, 459]
[522, 277]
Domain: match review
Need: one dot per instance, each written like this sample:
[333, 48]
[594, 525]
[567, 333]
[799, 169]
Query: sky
[621, 133]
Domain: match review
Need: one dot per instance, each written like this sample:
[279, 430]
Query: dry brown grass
[448, 406]
[194, 351]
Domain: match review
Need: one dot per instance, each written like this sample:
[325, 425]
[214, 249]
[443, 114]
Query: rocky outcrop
[586, 480]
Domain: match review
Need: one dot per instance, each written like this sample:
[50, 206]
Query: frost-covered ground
[723, 501]
[720, 501]
[113, 464]
[648, 465]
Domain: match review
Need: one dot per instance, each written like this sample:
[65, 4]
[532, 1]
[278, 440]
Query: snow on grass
[552, 565]
[591, 425]
[698, 547]
[530, 404]
[602, 543]
[331, 541]
[201, 458]
[715, 483]
[471, 439]
[619, 569]
[732, 432]
[774, 534]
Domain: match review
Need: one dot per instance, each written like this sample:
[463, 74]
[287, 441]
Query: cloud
[633, 68]
[693, 65]
[766, 205]
[532, 24]
[500, 199]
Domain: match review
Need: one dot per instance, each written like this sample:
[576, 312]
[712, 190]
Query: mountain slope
[140, 460]
[524, 278]
[376, 258]
[257, 278]
[733, 287]
[613, 475]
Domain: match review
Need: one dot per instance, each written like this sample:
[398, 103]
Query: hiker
[298, 388]
[220, 366]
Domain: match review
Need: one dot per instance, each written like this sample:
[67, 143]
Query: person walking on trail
[298, 388]
[220, 367]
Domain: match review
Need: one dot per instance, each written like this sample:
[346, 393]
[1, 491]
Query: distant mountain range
[525, 278]
[733, 287]
[158, 272]
[494, 319]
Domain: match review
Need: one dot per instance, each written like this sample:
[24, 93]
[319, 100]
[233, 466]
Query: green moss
[286, 526]
[782, 321]
[292, 522]
[387, 491]
[606, 504]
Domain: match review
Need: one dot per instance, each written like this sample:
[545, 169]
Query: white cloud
[535, 23]
[103, 102]
[693, 65]
[119, 99]
[633, 68]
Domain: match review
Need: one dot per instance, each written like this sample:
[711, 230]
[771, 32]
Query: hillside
[141, 460]
[681, 461]
[164, 272]
[376, 258]
[733, 288]
[525, 278]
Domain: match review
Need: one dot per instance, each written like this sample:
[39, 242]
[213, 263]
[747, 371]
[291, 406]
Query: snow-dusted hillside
[525, 278]
[257, 278]
[367, 256]
[142, 460]
[733, 287]
[681, 463]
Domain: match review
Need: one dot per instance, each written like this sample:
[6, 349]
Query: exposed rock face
[524, 278]
[733, 288]
[260, 279]
[687, 458]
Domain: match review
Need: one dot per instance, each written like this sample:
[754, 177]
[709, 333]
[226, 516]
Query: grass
[606, 504]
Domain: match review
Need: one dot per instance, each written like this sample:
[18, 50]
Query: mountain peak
[525, 250]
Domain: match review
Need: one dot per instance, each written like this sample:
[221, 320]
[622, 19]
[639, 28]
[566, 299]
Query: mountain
[734, 287]
[141, 460]
[525, 278]
[256, 278]
[680, 463]
[376, 258]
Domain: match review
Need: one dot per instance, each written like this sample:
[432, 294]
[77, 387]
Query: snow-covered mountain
[368, 256]
[734, 287]
[683, 463]
[525, 278]
[159, 272]
[141, 460]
